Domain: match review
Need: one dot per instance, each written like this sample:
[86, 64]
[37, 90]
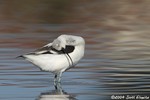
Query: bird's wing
[51, 48]
[47, 49]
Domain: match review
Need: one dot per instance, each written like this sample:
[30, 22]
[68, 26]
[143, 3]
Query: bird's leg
[57, 77]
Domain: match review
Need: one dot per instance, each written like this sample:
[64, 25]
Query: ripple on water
[110, 66]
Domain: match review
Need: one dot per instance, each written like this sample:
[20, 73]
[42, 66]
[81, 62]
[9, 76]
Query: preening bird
[60, 55]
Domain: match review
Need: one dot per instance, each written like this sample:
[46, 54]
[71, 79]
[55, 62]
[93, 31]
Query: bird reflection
[57, 94]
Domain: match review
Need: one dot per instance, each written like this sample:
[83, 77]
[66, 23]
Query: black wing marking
[68, 49]
[48, 50]
[51, 50]
[43, 50]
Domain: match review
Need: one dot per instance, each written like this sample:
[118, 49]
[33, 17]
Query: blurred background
[117, 52]
[96, 13]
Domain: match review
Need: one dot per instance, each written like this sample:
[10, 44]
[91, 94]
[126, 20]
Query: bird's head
[63, 40]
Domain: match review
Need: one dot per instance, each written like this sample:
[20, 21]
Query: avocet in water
[60, 55]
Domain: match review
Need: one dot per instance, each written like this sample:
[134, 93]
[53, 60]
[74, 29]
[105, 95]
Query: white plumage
[58, 56]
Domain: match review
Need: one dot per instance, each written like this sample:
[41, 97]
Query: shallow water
[114, 64]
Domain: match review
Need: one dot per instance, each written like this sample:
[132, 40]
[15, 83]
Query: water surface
[114, 64]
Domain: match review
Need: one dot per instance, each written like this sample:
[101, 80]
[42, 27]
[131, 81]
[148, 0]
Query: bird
[58, 56]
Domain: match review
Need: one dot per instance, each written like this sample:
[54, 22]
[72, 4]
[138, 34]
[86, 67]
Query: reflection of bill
[57, 94]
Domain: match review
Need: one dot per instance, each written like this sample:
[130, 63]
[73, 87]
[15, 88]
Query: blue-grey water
[114, 64]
